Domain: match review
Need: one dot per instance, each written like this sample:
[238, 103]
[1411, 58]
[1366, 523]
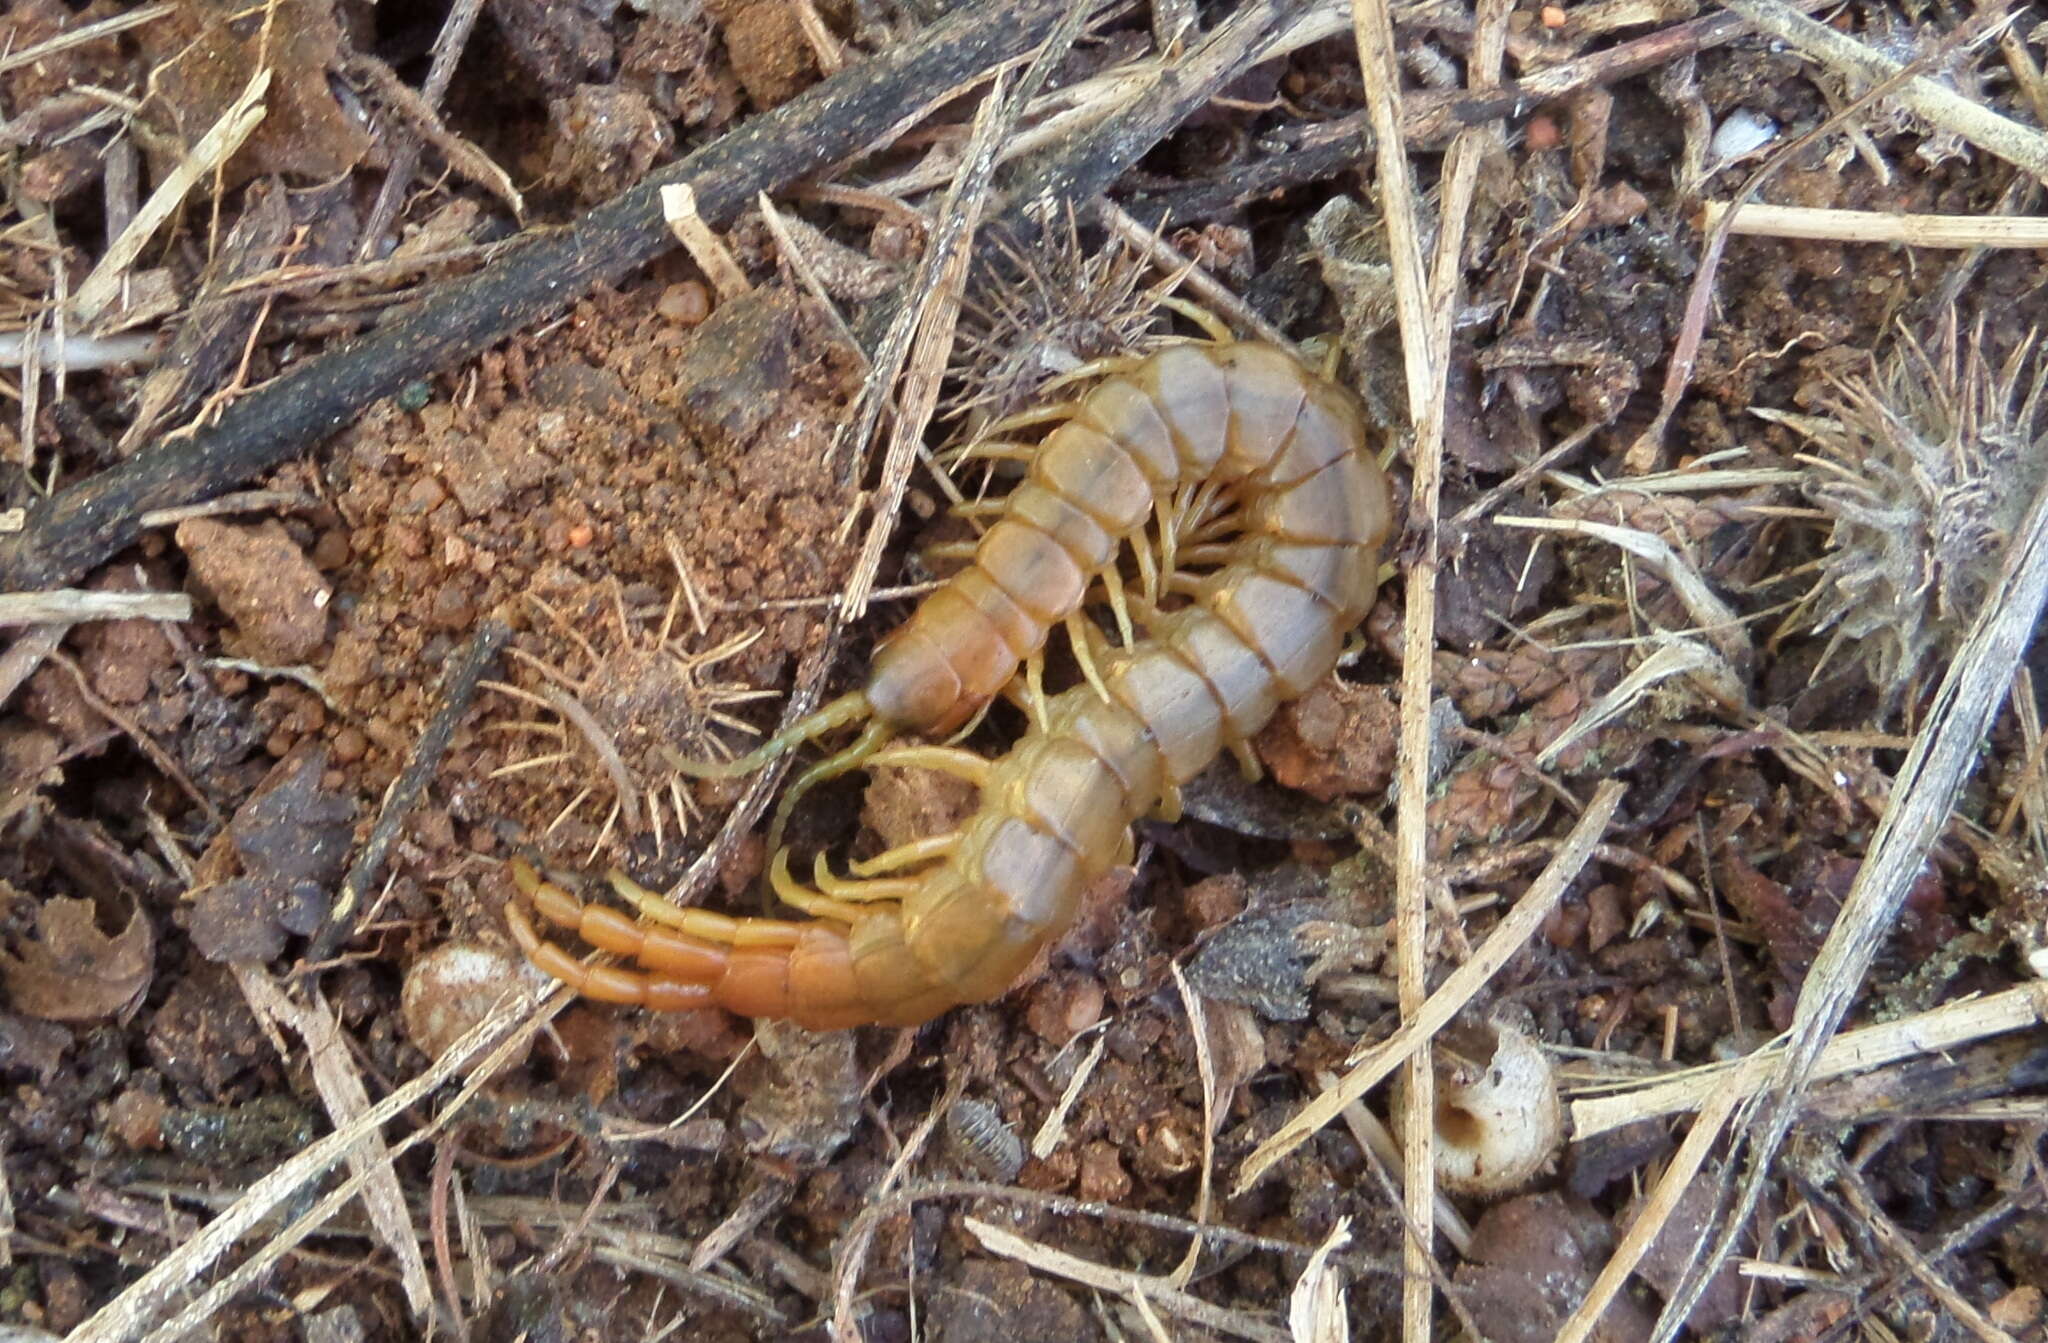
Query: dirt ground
[660, 495]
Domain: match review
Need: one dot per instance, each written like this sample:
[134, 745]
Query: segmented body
[1312, 510]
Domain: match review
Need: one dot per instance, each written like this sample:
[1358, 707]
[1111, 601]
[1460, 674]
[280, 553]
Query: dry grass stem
[1134, 1287]
[1425, 359]
[70, 605]
[1053, 1131]
[241, 501]
[1649, 1222]
[1371, 1134]
[212, 149]
[1916, 230]
[85, 35]
[1714, 617]
[341, 1089]
[1508, 936]
[1929, 1032]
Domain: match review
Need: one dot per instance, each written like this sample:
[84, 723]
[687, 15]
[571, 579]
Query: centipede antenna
[873, 738]
[848, 708]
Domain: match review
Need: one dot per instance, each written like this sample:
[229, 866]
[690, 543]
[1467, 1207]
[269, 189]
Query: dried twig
[208, 152]
[135, 1313]
[457, 690]
[70, 605]
[1799, 221]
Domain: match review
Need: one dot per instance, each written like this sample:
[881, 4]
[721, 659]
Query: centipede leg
[1246, 761]
[1080, 634]
[945, 759]
[800, 897]
[1107, 366]
[1148, 573]
[1056, 413]
[1212, 325]
[835, 887]
[1169, 808]
[872, 739]
[949, 552]
[1034, 689]
[916, 853]
[991, 450]
[1113, 587]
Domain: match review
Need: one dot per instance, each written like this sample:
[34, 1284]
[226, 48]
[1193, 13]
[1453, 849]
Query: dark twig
[458, 688]
[832, 121]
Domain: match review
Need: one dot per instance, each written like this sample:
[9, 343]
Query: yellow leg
[856, 893]
[1031, 419]
[1034, 690]
[700, 922]
[1148, 570]
[914, 854]
[945, 759]
[1113, 585]
[1108, 366]
[1246, 761]
[1081, 635]
[1212, 325]
[967, 730]
[1169, 808]
[950, 552]
[992, 450]
[806, 900]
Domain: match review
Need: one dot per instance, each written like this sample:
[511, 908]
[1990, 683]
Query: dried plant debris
[292, 839]
[71, 971]
[1045, 311]
[202, 56]
[1925, 466]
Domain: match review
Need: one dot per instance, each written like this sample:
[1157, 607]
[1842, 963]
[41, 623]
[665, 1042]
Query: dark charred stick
[835, 119]
[1088, 165]
[458, 689]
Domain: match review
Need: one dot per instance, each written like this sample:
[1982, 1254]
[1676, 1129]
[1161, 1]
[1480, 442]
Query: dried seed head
[642, 692]
[1053, 307]
[1925, 467]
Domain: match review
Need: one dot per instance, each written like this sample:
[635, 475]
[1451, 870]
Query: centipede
[1245, 488]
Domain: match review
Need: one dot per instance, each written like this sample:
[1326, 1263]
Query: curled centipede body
[956, 918]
